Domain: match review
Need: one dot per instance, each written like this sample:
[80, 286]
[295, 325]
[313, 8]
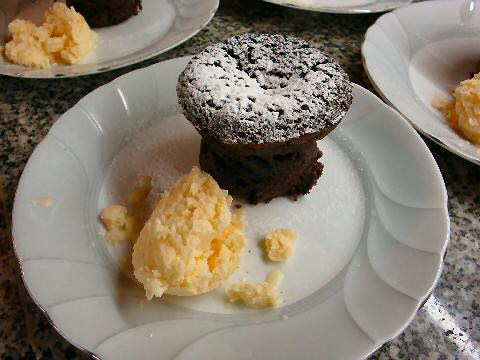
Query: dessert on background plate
[100, 13]
[261, 102]
[462, 112]
[64, 37]
[23, 9]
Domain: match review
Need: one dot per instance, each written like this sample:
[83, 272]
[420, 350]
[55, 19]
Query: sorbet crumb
[462, 110]
[279, 244]
[259, 295]
[46, 202]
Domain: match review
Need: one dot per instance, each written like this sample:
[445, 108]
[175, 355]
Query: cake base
[259, 173]
[106, 13]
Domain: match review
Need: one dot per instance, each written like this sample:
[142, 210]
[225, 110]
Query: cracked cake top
[260, 88]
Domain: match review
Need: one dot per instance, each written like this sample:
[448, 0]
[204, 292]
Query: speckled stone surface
[446, 327]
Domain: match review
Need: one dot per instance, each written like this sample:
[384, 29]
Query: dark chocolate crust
[262, 173]
[261, 88]
[100, 13]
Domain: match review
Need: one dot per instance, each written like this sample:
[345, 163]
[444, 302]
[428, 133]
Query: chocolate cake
[260, 103]
[100, 13]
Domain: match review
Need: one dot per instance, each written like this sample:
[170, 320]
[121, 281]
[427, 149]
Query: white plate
[372, 234]
[343, 6]
[413, 52]
[160, 26]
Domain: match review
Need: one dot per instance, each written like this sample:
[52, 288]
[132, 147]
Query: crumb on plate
[279, 244]
[142, 190]
[120, 225]
[259, 295]
[46, 202]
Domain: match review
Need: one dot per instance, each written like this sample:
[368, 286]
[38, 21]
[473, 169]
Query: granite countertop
[446, 327]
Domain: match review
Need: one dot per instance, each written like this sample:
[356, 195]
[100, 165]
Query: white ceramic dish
[413, 52]
[373, 232]
[160, 26]
[343, 6]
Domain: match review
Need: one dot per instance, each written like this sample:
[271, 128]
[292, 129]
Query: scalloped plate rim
[400, 329]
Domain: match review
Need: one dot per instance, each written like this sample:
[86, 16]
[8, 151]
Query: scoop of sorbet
[192, 242]
[467, 108]
[463, 111]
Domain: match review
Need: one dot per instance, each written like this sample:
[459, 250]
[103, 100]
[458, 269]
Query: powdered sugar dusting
[263, 88]
[165, 151]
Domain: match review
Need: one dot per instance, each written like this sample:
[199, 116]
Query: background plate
[416, 51]
[160, 26]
